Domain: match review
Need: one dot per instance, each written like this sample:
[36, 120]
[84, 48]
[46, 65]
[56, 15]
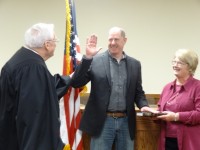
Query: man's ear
[46, 45]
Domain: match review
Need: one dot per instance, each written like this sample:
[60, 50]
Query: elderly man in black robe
[29, 94]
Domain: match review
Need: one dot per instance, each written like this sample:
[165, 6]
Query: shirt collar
[31, 49]
[123, 57]
[185, 86]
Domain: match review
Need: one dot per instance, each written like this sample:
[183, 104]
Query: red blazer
[188, 103]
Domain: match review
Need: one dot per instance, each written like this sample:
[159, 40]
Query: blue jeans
[114, 131]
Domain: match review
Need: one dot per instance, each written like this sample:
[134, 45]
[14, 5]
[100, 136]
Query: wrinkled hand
[168, 117]
[91, 48]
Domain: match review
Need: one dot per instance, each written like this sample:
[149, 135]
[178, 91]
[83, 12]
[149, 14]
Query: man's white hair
[37, 34]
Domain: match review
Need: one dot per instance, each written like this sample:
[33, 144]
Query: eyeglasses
[54, 40]
[178, 63]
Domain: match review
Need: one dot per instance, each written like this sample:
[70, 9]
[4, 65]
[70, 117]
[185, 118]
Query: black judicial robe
[29, 109]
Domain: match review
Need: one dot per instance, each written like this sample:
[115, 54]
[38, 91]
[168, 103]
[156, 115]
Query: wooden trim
[152, 98]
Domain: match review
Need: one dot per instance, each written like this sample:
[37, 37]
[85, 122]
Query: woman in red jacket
[180, 99]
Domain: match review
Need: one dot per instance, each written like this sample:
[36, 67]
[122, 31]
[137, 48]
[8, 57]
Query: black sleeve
[62, 84]
[80, 77]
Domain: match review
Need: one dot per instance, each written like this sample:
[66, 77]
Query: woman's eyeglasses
[178, 63]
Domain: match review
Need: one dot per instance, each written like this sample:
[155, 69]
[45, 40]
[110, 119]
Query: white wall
[155, 30]
[18, 15]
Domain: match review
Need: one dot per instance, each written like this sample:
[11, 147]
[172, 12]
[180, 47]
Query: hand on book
[147, 109]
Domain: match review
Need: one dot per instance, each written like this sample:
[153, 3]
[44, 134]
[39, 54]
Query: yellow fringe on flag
[83, 90]
[68, 32]
[67, 147]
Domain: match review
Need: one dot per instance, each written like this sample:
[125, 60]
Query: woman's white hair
[37, 34]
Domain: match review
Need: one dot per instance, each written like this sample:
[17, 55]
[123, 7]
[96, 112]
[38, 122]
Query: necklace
[173, 98]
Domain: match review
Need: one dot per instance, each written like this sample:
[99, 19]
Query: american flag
[70, 104]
